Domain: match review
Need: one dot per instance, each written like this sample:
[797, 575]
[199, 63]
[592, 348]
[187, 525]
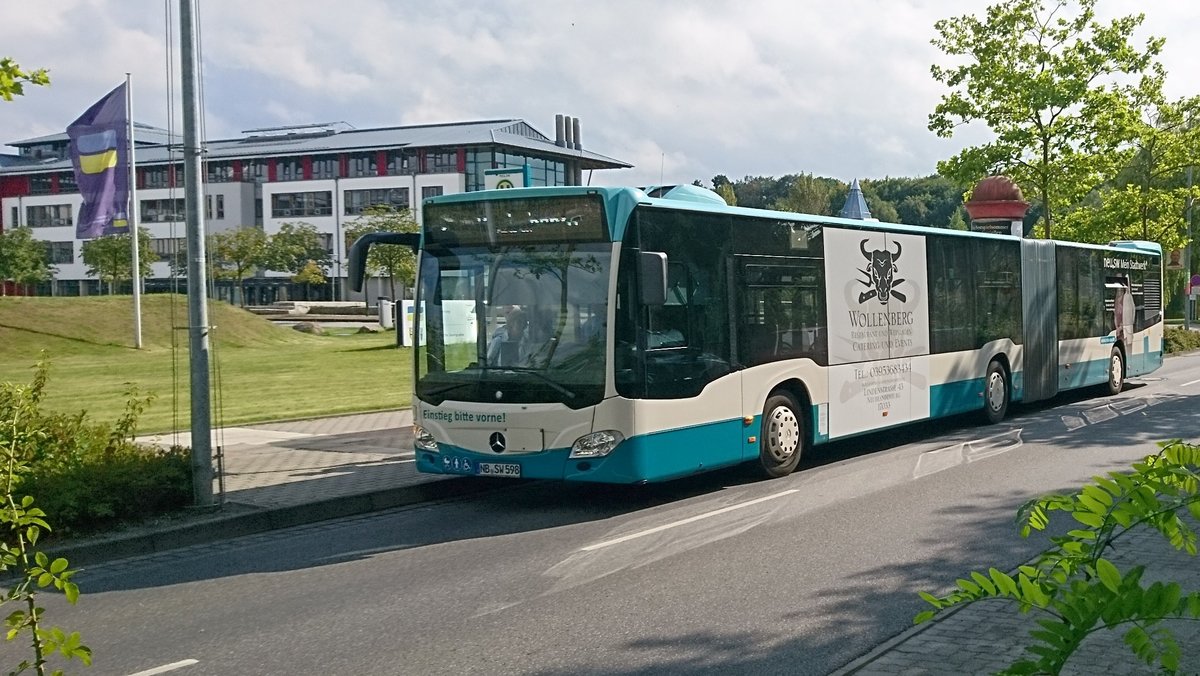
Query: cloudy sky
[682, 89]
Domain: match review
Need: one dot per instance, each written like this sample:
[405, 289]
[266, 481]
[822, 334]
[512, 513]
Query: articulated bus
[636, 335]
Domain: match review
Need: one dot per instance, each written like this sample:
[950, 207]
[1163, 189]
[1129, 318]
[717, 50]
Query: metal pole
[339, 286]
[202, 469]
[132, 215]
[1187, 256]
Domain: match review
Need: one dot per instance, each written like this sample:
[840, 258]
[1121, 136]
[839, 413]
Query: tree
[1148, 198]
[1041, 80]
[310, 275]
[23, 259]
[807, 194]
[294, 246]
[110, 258]
[725, 188]
[236, 253]
[394, 262]
[13, 79]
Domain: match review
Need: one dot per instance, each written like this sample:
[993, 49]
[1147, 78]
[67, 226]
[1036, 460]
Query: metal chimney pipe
[569, 133]
[575, 133]
[558, 131]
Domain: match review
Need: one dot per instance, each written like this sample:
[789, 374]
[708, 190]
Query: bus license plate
[506, 469]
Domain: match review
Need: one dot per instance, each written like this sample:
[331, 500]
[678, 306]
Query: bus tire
[996, 392]
[782, 440]
[1116, 372]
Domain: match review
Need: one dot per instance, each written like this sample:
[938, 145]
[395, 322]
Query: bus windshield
[513, 324]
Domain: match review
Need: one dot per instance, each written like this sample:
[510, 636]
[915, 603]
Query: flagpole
[132, 214]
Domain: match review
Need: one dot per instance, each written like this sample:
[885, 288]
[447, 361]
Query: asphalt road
[717, 574]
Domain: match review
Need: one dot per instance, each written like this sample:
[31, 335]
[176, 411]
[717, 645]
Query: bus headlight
[423, 440]
[596, 444]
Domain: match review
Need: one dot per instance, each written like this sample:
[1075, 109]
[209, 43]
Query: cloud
[682, 88]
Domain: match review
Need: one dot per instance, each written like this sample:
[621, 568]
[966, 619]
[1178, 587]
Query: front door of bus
[780, 316]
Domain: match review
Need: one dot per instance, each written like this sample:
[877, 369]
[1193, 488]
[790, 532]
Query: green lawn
[260, 371]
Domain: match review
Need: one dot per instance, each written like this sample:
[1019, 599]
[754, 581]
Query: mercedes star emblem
[496, 441]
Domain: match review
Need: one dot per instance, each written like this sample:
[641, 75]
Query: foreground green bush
[1180, 339]
[86, 475]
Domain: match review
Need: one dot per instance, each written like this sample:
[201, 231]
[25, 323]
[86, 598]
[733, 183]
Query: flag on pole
[100, 157]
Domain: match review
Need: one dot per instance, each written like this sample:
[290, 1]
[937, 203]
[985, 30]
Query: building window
[171, 250]
[59, 253]
[431, 191]
[219, 172]
[325, 166]
[41, 184]
[254, 170]
[48, 215]
[289, 170]
[162, 211]
[44, 151]
[326, 241]
[66, 182]
[16, 218]
[442, 162]
[168, 246]
[292, 204]
[209, 212]
[363, 164]
[401, 162]
[157, 177]
[359, 200]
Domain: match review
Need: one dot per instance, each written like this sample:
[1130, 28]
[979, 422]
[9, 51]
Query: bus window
[781, 310]
[675, 349]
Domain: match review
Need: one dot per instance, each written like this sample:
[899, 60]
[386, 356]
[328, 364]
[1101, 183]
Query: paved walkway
[283, 474]
[985, 637]
[293, 463]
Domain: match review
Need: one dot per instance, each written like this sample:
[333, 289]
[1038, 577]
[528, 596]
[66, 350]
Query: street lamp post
[1187, 256]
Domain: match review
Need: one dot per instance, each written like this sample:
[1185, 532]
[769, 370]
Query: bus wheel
[995, 392]
[782, 439]
[1116, 372]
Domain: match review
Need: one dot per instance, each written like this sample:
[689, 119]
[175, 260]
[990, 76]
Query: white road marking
[1191, 383]
[167, 667]
[683, 522]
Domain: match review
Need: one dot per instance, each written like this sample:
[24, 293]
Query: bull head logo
[880, 275]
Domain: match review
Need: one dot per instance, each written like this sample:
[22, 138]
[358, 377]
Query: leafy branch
[21, 525]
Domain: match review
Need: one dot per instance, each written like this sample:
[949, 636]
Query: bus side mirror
[654, 277]
[358, 251]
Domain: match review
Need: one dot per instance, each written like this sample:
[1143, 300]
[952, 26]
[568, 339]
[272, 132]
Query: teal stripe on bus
[659, 456]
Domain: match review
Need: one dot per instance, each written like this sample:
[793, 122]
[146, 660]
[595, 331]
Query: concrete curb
[855, 665]
[231, 526]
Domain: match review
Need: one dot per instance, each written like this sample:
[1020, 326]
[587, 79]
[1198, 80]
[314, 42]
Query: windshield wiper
[507, 369]
[537, 374]
[447, 388]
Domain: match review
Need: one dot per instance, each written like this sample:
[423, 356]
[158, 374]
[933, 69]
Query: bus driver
[509, 345]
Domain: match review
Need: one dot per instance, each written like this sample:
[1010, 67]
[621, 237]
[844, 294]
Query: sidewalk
[985, 637]
[278, 475]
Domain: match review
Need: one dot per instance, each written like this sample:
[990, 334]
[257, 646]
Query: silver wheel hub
[1114, 370]
[995, 391]
[783, 433]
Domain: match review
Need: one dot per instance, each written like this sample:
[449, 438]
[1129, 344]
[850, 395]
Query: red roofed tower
[997, 206]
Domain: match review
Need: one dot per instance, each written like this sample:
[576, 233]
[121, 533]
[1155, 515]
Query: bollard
[385, 313]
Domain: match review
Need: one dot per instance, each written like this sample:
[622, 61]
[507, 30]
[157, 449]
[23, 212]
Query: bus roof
[620, 202]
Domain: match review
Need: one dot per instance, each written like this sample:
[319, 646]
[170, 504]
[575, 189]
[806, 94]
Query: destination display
[576, 218]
